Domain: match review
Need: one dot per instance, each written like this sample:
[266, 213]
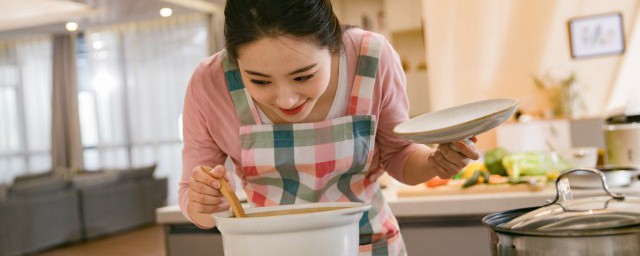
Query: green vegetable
[473, 179]
[526, 163]
[486, 176]
[532, 164]
[493, 161]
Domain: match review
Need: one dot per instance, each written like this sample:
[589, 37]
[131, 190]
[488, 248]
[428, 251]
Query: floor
[140, 242]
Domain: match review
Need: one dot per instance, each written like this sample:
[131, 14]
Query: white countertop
[447, 205]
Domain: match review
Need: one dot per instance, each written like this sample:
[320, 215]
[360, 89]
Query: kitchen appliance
[334, 232]
[605, 225]
[579, 157]
[622, 139]
[617, 176]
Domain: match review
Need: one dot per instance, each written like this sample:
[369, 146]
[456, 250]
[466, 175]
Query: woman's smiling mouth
[294, 111]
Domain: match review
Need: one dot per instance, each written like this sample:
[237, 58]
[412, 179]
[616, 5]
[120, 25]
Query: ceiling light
[166, 12]
[71, 26]
[98, 45]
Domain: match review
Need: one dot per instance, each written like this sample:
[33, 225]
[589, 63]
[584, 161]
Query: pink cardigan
[210, 124]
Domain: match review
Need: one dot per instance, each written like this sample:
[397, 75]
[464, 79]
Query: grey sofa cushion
[38, 186]
[3, 191]
[31, 224]
[139, 173]
[28, 177]
[121, 206]
[94, 179]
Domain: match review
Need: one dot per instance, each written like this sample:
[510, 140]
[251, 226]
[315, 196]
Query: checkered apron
[323, 161]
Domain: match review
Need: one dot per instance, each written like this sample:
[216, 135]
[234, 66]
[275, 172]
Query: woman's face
[285, 75]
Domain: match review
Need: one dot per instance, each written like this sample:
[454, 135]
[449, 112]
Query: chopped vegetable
[529, 180]
[553, 175]
[485, 177]
[436, 181]
[470, 169]
[493, 161]
[498, 179]
[473, 179]
[456, 183]
[532, 164]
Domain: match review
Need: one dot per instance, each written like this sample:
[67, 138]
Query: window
[131, 85]
[25, 107]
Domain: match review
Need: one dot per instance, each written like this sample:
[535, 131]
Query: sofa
[39, 212]
[128, 202]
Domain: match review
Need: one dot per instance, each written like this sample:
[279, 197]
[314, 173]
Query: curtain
[215, 27]
[133, 81]
[66, 146]
[625, 93]
[25, 102]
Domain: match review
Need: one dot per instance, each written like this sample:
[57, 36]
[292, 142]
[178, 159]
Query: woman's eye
[303, 78]
[259, 82]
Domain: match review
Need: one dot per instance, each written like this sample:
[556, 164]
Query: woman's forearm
[414, 171]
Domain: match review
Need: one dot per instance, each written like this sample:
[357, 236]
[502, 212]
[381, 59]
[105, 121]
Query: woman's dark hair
[249, 20]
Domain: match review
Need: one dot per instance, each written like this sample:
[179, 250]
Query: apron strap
[360, 100]
[245, 109]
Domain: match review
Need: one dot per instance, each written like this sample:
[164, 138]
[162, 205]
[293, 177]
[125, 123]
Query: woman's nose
[286, 98]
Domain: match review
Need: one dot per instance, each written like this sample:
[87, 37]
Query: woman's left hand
[446, 162]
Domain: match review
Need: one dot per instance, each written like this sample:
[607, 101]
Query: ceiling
[24, 17]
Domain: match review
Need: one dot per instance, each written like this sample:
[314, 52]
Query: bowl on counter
[617, 176]
[580, 157]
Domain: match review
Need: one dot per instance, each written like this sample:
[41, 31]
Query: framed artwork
[596, 35]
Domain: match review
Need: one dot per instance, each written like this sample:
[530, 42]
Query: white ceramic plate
[457, 123]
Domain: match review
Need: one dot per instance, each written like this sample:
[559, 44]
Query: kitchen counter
[436, 223]
[448, 205]
[476, 204]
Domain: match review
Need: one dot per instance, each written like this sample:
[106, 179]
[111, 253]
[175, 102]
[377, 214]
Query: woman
[305, 110]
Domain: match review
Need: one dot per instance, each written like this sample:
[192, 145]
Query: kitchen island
[431, 225]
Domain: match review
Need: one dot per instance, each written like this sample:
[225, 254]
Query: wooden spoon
[294, 211]
[228, 194]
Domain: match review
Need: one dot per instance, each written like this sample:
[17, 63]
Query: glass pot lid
[614, 211]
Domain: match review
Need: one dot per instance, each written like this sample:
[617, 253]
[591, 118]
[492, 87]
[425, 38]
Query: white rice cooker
[323, 233]
[622, 139]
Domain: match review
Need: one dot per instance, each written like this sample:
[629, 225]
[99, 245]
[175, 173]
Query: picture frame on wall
[597, 35]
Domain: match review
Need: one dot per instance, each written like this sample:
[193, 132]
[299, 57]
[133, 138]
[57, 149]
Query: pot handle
[603, 179]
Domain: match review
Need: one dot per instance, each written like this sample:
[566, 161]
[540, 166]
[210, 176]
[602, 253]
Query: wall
[351, 12]
[625, 94]
[487, 49]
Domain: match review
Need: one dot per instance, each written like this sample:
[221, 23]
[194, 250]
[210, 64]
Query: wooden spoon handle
[228, 194]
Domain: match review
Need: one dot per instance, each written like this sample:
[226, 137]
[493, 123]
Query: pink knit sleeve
[394, 109]
[199, 146]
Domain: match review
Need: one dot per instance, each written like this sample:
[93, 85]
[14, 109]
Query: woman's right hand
[204, 190]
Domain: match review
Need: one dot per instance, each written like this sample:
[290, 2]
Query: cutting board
[422, 190]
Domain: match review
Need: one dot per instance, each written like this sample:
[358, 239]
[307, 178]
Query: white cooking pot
[333, 232]
[623, 144]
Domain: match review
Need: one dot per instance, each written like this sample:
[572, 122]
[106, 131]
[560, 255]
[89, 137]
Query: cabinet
[445, 235]
[417, 92]
[557, 133]
[403, 15]
[401, 22]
